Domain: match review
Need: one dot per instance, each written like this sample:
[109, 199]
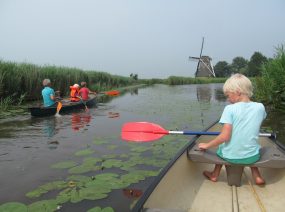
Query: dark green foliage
[255, 64]
[270, 87]
[222, 69]
[239, 65]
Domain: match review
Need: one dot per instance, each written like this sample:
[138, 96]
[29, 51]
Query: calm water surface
[31, 148]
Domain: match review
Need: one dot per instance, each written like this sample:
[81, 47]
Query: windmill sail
[204, 66]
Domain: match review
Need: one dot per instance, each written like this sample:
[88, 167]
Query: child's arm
[224, 136]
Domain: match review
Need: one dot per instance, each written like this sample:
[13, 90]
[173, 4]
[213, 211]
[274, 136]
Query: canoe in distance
[40, 111]
[182, 187]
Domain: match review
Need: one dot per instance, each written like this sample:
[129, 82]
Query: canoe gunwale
[139, 205]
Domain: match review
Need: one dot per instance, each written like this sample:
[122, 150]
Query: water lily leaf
[124, 156]
[106, 176]
[84, 152]
[71, 194]
[100, 141]
[92, 160]
[14, 206]
[112, 163]
[108, 209]
[92, 194]
[63, 196]
[36, 193]
[132, 178]
[109, 156]
[46, 188]
[64, 165]
[79, 178]
[112, 147]
[44, 205]
[84, 168]
[98, 209]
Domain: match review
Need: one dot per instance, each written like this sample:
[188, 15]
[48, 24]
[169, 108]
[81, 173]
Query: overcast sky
[151, 38]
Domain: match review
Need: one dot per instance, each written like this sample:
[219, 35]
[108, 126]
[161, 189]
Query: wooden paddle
[59, 106]
[146, 131]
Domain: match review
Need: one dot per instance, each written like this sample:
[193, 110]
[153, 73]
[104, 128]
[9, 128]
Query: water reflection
[49, 127]
[79, 120]
[219, 95]
[113, 114]
[134, 91]
[204, 93]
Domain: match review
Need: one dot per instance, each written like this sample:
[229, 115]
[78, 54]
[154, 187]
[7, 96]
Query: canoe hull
[67, 106]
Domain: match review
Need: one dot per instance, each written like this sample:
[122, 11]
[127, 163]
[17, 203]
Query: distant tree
[222, 69]
[135, 77]
[239, 65]
[255, 64]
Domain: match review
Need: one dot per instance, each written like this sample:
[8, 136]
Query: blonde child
[241, 120]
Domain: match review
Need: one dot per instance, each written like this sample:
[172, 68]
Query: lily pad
[64, 165]
[98, 209]
[84, 168]
[14, 206]
[84, 152]
[44, 205]
[46, 188]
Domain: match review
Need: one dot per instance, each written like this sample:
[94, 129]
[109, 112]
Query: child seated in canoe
[48, 93]
[74, 93]
[241, 120]
[84, 91]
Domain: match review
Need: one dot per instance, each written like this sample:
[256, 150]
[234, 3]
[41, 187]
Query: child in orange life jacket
[74, 93]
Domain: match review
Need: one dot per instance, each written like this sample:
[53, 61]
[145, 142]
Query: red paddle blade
[112, 93]
[142, 131]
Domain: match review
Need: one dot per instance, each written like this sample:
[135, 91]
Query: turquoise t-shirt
[246, 119]
[46, 93]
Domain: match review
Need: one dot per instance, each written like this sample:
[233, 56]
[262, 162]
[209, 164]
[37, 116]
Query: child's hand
[203, 146]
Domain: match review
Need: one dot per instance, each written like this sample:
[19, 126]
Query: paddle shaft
[206, 133]
[145, 131]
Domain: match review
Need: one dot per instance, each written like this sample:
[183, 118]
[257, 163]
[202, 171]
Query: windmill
[204, 66]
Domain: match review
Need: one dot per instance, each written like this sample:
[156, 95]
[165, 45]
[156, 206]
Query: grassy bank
[26, 79]
[21, 82]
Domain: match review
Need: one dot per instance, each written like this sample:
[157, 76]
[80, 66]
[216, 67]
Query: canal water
[79, 161]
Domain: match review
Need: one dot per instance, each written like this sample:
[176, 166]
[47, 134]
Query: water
[31, 147]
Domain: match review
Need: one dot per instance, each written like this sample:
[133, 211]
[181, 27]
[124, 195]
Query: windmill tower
[204, 66]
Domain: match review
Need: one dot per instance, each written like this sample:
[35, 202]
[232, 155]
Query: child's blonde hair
[238, 83]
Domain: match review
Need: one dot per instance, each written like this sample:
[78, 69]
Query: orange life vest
[74, 93]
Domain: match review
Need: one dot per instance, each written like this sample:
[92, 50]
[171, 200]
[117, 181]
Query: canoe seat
[271, 157]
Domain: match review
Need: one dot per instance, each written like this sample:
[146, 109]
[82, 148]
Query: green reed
[270, 87]
[173, 80]
[24, 78]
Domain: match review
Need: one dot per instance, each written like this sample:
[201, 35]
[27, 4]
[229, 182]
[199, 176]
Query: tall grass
[173, 80]
[26, 79]
[270, 87]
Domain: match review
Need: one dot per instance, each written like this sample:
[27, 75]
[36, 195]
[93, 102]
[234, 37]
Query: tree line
[250, 68]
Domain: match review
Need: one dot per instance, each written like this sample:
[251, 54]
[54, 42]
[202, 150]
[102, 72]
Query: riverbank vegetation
[21, 82]
[270, 86]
